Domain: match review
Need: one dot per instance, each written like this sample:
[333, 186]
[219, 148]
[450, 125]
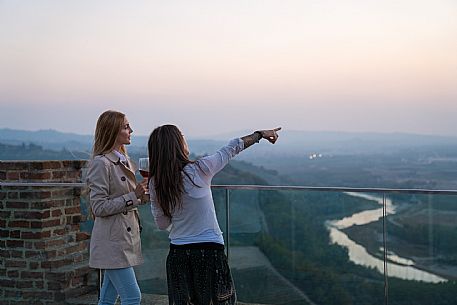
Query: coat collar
[116, 160]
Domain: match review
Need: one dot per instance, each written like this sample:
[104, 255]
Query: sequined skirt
[199, 276]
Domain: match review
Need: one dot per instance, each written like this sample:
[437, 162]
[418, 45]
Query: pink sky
[213, 67]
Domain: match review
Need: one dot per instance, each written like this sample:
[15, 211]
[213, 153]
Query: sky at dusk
[213, 67]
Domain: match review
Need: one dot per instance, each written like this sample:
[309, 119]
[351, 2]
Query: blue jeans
[120, 282]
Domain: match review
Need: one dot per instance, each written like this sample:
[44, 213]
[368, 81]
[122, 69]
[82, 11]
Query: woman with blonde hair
[181, 201]
[115, 244]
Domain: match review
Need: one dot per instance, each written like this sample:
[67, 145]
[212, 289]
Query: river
[397, 266]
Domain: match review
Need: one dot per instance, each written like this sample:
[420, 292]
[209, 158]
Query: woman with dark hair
[114, 195]
[181, 202]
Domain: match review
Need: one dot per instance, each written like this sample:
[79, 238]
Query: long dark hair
[168, 155]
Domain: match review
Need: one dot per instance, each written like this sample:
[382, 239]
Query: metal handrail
[263, 188]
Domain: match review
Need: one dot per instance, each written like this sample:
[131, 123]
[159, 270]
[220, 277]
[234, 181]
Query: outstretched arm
[212, 164]
[269, 134]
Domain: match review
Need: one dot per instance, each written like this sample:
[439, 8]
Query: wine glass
[143, 167]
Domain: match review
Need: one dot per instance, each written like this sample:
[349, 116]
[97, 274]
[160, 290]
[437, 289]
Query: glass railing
[306, 245]
[324, 245]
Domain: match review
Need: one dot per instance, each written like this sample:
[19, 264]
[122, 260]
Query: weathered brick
[19, 224]
[12, 165]
[31, 215]
[30, 302]
[72, 249]
[14, 243]
[82, 236]
[35, 195]
[39, 245]
[2, 175]
[55, 285]
[32, 275]
[59, 296]
[24, 284]
[13, 273]
[4, 253]
[58, 232]
[12, 175]
[33, 265]
[45, 224]
[33, 254]
[5, 214]
[7, 283]
[2, 223]
[35, 235]
[56, 213]
[46, 204]
[40, 295]
[55, 276]
[17, 253]
[54, 264]
[53, 243]
[39, 284]
[74, 165]
[73, 175]
[75, 219]
[13, 294]
[50, 254]
[72, 228]
[17, 204]
[15, 234]
[73, 210]
[4, 233]
[35, 175]
[65, 192]
[77, 281]
[59, 174]
[29, 244]
[15, 264]
[41, 165]
[78, 191]
[12, 195]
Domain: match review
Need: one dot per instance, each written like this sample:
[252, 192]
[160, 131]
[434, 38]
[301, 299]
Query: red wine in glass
[144, 173]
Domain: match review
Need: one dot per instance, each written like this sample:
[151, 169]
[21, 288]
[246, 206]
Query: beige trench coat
[115, 241]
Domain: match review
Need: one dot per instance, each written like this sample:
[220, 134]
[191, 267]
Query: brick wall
[44, 255]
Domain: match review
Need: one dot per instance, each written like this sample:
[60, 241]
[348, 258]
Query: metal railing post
[384, 238]
[227, 221]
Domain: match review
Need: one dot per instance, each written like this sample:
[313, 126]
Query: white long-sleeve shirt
[196, 220]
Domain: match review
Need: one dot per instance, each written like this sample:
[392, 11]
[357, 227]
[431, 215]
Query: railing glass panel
[291, 247]
[422, 247]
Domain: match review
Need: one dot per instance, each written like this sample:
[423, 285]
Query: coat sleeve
[102, 205]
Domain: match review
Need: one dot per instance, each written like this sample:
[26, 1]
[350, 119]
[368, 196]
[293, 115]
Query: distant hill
[56, 140]
[36, 152]
[291, 143]
[49, 139]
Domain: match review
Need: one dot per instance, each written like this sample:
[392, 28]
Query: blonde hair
[109, 124]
